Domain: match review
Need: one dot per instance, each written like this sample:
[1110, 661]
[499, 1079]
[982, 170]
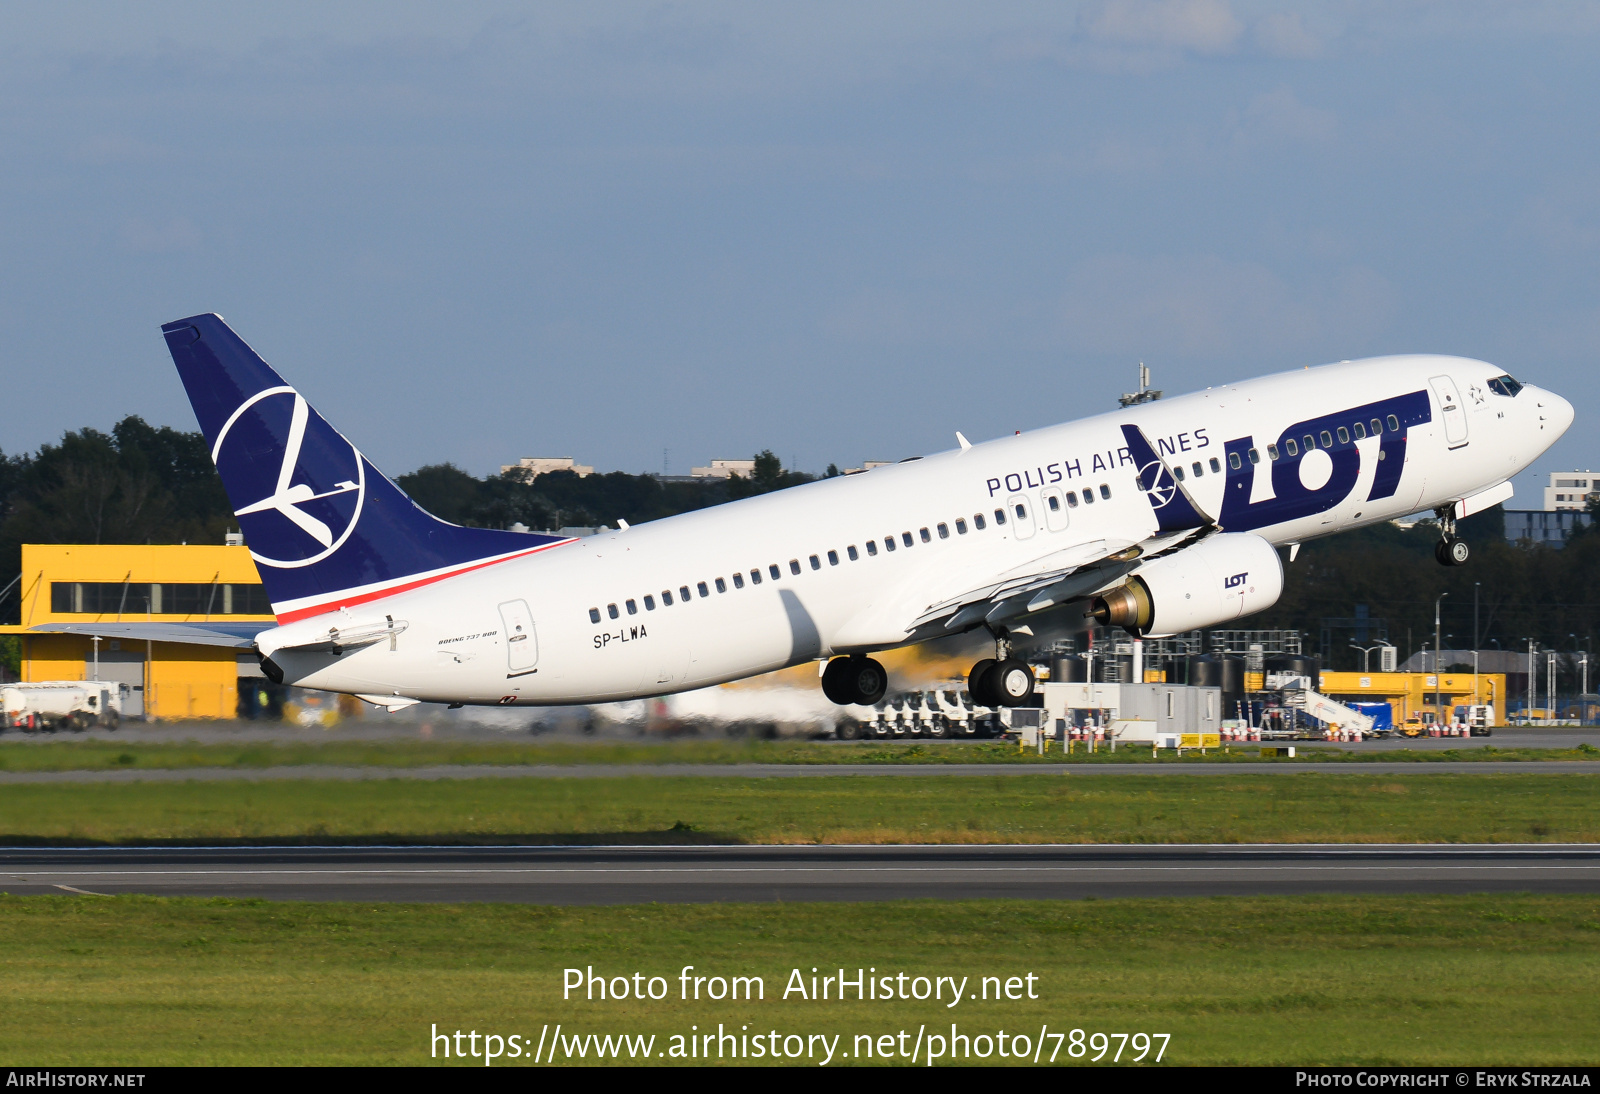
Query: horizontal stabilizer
[240, 636]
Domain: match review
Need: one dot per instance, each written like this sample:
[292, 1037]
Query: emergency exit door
[522, 645]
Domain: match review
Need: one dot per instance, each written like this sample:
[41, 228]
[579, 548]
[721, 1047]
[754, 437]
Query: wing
[239, 636]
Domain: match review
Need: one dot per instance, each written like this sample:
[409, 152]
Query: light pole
[1365, 651]
[1475, 698]
[1438, 654]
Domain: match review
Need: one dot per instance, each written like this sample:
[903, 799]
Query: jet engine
[1219, 579]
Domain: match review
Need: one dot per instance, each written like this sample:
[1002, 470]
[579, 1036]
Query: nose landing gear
[1449, 551]
[854, 681]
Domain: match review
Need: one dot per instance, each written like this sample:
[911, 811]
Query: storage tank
[1297, 664]
[1220, 670]
[1068, 670]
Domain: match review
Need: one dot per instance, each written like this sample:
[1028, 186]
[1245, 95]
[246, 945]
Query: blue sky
[478, 231]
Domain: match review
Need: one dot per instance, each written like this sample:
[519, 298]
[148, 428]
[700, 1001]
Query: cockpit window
[1505, 385]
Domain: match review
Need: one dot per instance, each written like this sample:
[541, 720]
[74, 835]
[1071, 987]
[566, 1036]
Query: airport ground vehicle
[61, 704]
[939, 712]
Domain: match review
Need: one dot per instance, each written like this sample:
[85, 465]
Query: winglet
[1175, 510]
[962, 441]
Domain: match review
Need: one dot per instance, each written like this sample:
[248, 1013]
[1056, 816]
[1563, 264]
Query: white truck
[61, 704]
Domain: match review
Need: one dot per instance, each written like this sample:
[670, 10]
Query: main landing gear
[1002, 680]
[854, 681]
[1449, 551]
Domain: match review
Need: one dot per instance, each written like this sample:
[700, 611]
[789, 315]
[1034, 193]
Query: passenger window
[833, 558]
[816, 563]
[594, 615]
[1198, 470]
[1072, 499]
[794, 566]
[722, 586]
[683, 593]
[961, 526]
[774, 571]
[852, 552]
[1344, 435]
[633, 607]
[755, 576]
[1055, 503]
[999, 516]
[1216, 468]
[1394, 424]
[977, 522]
[1255, 457]
[905, 537]
[1022, 511]
[923, 532]
[611, 610]
[700, 586]
[1327, 439]
[1177, 473]
[1311, 442]
[1088, 491]
[1272, 451]
[666, 597]
[944, 531]
[1361, 432]
[1105, 491]
[1290, 447]
[872, 547]
[649, 603]
[738, 581]
[1234, 461]
[888, 543]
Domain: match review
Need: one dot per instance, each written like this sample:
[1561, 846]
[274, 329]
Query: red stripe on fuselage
[334, 605]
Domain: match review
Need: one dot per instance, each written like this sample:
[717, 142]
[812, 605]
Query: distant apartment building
[1564, 502]
[532, 467]
[724, 469]
[1570, 490]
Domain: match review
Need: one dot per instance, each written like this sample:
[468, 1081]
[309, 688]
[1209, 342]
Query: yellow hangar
[167, 583]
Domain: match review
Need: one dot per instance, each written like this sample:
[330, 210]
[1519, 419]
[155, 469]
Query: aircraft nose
[1557, 412]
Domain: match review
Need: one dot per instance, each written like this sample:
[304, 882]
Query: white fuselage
[452, 642]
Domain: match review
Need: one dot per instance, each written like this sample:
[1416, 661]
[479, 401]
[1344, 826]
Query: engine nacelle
[1219, 579]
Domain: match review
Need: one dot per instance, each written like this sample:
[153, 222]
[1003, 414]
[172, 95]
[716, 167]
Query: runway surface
[626, 875]
[794, 771]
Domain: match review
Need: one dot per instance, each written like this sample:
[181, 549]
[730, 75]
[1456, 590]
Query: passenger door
[522, 644]
[1455, 416]
[1055, 509]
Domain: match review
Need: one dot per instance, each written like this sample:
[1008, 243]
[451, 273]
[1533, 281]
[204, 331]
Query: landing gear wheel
[848, 729]
[939, 727]
[851, 681]
[1012, 682]
[977, 683]
[1457, 551]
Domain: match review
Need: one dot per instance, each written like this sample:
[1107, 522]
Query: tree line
[146, 484]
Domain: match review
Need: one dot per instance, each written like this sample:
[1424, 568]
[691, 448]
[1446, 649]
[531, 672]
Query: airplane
[1159, 518]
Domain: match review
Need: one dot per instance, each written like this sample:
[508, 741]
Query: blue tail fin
[325, 528]
[1175, 510]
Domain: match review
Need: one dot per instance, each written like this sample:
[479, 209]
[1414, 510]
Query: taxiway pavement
[679, 874]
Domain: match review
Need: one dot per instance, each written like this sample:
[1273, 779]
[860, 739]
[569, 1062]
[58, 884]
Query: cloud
[1284, 34]
[1196, 26]
[143, 236]
[1205, 306]
[1280, 115]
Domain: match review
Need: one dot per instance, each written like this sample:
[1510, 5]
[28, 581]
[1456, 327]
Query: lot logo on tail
[310, 483]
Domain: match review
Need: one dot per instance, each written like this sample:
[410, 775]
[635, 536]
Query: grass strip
[69, 755]
[1356, 980]
[1292, 808]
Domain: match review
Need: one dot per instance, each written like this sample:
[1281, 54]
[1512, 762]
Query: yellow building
[105, 583]
[1420, 693]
